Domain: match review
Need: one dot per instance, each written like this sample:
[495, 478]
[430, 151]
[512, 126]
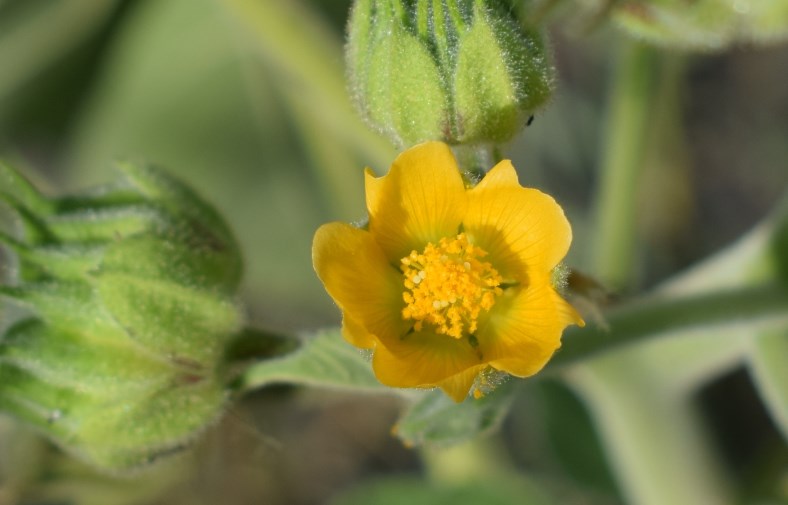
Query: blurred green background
[246, 101]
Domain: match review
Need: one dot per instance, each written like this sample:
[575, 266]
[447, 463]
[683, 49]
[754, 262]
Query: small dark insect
[530, 120]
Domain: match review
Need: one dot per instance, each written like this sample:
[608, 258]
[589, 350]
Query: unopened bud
[131, 293]
[460, 71]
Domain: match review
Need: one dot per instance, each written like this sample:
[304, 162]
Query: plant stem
[625, 139]
[649, 430]
[750, 308]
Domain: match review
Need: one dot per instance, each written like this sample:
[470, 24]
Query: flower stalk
[627, 126]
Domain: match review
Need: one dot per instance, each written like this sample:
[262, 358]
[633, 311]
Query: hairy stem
[750, 308]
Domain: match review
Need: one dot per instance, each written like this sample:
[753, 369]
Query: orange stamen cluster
[447, 286]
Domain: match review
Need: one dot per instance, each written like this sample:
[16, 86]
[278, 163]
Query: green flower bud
[460, 71]
[131, 291]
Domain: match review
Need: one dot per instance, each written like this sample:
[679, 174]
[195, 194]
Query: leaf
[768, 362]
[756, 257]
[437, 420]
[569, 430]
[324, 360]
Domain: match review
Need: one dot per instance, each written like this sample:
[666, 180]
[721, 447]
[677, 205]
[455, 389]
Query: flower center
[447, 286]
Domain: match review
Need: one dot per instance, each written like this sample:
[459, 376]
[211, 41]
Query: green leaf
[324, 360]
[756, 257]
[569, 430]
[768, 361]
[437, 420]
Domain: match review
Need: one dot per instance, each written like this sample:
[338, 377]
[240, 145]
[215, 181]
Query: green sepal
[68, 262]
[502, 75]
[398, 84]
[69, 306]
[129, 433]
[105, 224]
[17, 190]
[33, 227]
[72, 361]
[187, 261]
[53, 410]
[179, 322]
[180, 200]
[116, 434]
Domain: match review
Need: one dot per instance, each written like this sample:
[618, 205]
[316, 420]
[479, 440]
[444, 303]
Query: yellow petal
[422, 359]
[524, 328]
[458, 386]
[361, 281]
[522, 229]
[421, 200]
[356, 333]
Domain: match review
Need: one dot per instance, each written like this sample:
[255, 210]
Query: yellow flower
[447, 281]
